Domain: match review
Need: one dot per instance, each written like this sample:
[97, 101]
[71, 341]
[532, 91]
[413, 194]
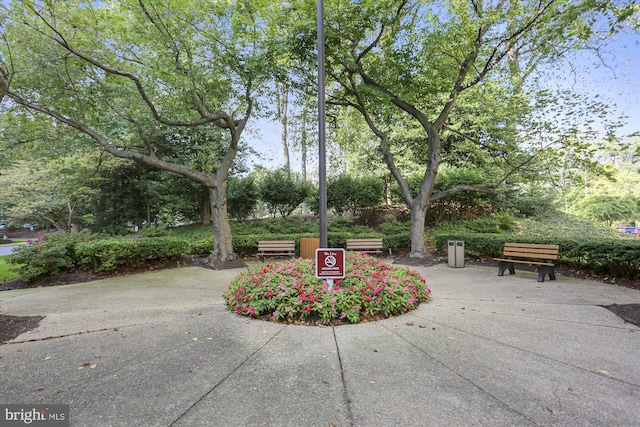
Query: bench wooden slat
[276, 248]
[544, 254]
[532, 254]
[373, 245]
[276, 244]
[523, 262]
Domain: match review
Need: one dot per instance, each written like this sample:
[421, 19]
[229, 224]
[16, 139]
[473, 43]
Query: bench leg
[503, 266]
[543, 270]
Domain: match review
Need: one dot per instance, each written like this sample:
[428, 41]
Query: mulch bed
[12, 326]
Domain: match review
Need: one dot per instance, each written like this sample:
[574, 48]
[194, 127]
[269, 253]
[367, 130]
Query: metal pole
[322, 157]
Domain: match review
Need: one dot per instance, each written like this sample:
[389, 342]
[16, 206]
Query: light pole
[322, 156]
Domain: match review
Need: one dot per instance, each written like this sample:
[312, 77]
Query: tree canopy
[124, 73]
[417, 87]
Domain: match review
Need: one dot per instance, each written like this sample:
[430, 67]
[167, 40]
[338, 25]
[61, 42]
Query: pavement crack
[71, 334]
[233, 371]
[537, 354]
[345, 391]
[458, 374]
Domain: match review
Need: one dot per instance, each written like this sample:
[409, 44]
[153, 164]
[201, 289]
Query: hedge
[108, 254]
[609, 256]
[57, 252]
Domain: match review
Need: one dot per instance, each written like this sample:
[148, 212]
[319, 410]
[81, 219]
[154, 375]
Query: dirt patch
[12, 326]
[628, 312]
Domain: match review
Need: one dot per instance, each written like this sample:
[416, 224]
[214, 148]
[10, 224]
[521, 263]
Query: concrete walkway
[160, 349]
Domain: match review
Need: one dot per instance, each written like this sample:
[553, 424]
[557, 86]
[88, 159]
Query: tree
[609, 208]
[55, 192]
[122, 73]
[283, 192]
[348, 194]
[243, 195]
[403, 63]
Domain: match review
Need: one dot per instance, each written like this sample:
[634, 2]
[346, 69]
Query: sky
[614, 76]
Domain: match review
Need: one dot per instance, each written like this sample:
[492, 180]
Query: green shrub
[202, 246]
[397, 242]
[348, 226]
[616, 257]
[153, 232]
[242, 197]
[393, 226]
[282, 192]
[48, 255]
[290, 225]
[348, 194]
[108, 254]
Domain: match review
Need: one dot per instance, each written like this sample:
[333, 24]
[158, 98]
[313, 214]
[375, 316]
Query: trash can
[456, 253]
[308, 246]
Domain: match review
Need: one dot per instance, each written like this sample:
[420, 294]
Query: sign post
[330, 264]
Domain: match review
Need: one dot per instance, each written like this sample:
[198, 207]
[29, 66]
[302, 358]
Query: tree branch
[150, 161]
[60, 40]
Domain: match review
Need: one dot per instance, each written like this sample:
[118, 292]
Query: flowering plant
[289, 291]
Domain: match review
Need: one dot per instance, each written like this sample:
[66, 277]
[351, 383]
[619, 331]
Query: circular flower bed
[288, 291]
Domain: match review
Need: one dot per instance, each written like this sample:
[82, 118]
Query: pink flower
[287, 309]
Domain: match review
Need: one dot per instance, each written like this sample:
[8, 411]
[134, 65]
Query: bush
[346, 194]
[242, 197]
[527, 200]
[108, 254]
[49, 255]
[614, 257]
[281, 193]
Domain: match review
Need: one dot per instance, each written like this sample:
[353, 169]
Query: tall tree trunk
[418, 248]
[282, 113]
[222, 255]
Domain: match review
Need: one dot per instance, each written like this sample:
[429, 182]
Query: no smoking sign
[330, 263]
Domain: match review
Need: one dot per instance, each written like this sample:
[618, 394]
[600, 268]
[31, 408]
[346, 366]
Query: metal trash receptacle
[456, 253]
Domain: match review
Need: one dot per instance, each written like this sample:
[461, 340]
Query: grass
[7, 270]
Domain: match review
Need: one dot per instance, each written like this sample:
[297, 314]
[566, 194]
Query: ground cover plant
[288, 291]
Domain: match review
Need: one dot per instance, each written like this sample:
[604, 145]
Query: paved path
[160, 349]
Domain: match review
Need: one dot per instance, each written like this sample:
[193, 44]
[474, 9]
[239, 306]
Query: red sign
[330, 263]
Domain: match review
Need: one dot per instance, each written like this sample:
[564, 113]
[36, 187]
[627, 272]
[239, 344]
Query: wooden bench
[541, 255]
[371, 246]
[276, 248]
